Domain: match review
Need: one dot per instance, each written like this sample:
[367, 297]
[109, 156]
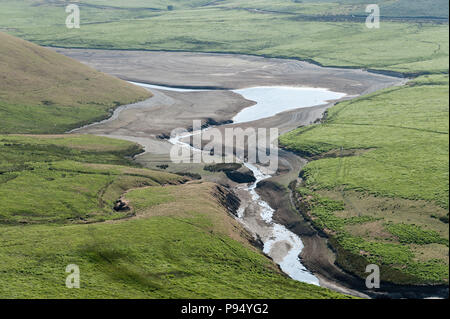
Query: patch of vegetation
[47, 179]
[413, 234]
[145, 198]
[396, 259]
[396, 262]
[404, 175]
[324, 212]
[407, 130]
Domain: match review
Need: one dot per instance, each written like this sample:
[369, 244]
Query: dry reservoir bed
[207, 80]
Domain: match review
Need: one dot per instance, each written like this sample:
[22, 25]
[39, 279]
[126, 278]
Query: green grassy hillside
[350, 9]
[45, 92]
[178, 241]
[381, 180]
[182, 255]
[65, 179]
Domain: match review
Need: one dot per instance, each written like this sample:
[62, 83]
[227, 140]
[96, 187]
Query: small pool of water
[270, 100]
[273, 100]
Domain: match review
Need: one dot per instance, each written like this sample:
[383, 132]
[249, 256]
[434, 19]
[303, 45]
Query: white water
[270, 101]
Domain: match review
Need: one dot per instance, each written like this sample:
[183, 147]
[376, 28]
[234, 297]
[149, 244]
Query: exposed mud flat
[168, 110]
[217, 73]
[226, 71]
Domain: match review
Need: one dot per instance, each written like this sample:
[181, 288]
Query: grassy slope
[228, 27]
[399, 125]
[45, 92]
[398, 8]
[192, 257]
[404, 132]
[66, 179]
[52, 186]
[318, 8]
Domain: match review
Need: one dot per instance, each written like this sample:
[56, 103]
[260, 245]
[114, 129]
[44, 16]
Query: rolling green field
[383, 166]
[67, 179]
[311, 30]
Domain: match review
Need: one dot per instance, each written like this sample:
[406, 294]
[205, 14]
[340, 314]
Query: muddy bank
[316, 254]
[168, 110]
[145, 122]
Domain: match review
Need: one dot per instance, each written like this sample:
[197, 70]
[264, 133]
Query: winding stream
[282, 245]
[280, 237]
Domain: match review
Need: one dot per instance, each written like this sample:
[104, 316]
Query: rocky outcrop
[241, 177]
[121, 206]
